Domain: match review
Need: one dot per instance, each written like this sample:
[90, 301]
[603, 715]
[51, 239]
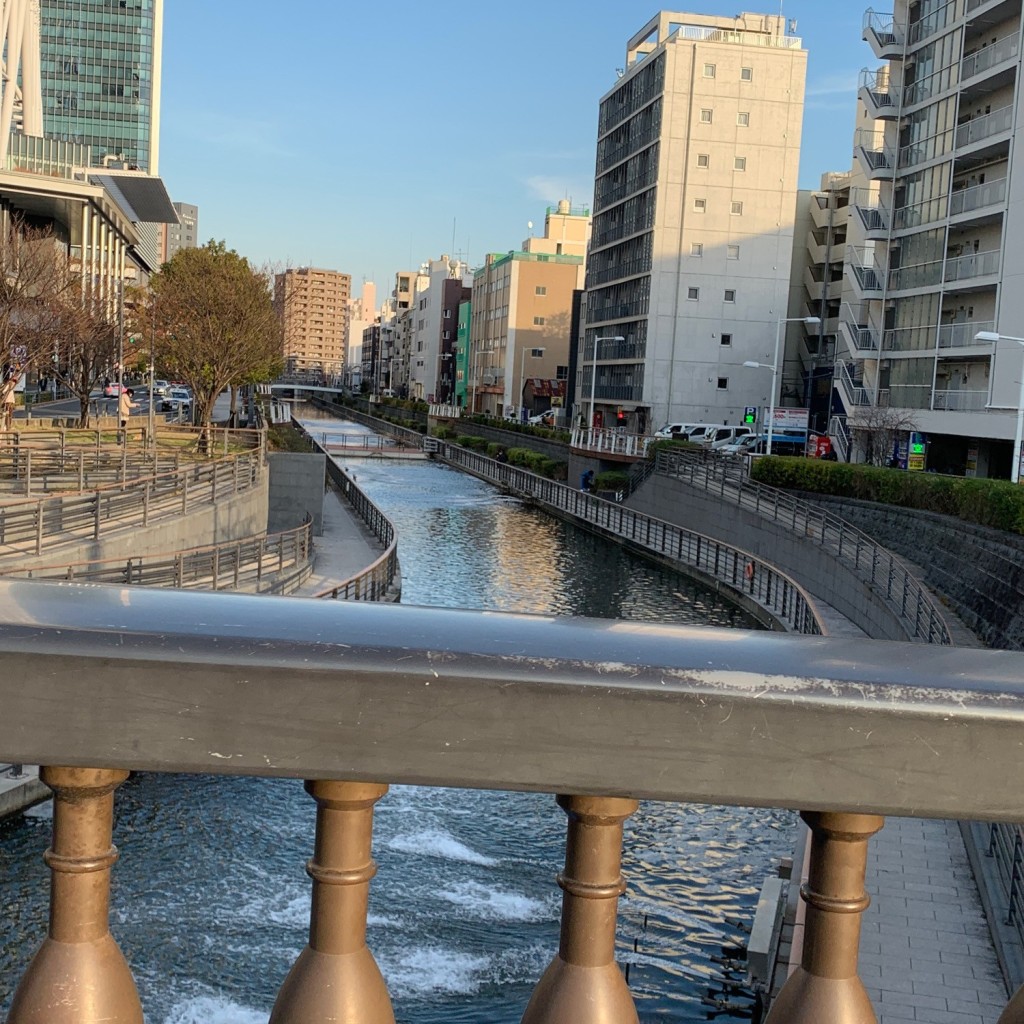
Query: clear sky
[362, 136]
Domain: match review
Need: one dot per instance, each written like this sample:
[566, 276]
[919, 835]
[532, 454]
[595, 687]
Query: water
[211, 902]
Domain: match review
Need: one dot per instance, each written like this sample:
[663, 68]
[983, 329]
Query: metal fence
[886, 575]
[266, 563]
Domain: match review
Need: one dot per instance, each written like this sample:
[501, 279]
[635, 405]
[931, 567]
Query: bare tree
[85, 349]
[882, 428]
[213, 319]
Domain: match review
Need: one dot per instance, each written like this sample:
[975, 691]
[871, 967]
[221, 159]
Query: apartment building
[521, 312]
[694, 201]
[441, 285]
[361, 315]
[313, 305]
[941, 260]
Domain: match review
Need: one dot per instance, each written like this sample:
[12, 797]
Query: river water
[211, 902]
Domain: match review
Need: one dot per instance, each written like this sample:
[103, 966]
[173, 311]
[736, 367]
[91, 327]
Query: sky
[366, 137]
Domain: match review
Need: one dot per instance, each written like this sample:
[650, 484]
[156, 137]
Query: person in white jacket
[124, 410]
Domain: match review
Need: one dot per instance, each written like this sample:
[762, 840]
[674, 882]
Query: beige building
[314, 308]
[694, 200]
[521, 312]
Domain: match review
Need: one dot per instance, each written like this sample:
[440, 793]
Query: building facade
[184, 234]
[314, 306]
[694, 199]
[100, 75]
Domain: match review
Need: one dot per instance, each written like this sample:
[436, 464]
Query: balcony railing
[977, 264]
[980, 128]
[977, 197]
[707, 34]
[883, 33]
[961, 335]
[987, 57]
[960, 401]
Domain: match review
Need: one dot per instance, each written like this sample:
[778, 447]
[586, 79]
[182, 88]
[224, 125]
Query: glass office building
[101, 76]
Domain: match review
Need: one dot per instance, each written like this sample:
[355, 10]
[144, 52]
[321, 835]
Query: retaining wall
[296, 490]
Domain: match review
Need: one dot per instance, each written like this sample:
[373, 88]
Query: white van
[682, 431]
[719, 437]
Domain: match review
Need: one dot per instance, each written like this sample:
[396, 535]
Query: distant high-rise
[100, 63]
[184, 234]
[314, 309]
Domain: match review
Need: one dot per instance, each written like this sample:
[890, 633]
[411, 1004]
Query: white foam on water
[490, 904]
[426, 969]
[381, 921]
[214, 1010]
[433, 843]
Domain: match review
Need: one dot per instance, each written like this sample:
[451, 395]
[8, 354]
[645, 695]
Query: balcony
[987, 127]
[985, 200]
[868, 276]
[917, 275]
[989, 59]
[874, 92]
[971, 266]
[884, 35]
[961, 335]
[877, 159]
[959, 401]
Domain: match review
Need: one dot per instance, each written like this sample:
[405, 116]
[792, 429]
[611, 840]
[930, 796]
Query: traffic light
[620, 418]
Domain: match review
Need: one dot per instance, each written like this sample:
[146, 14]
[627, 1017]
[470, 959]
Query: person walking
[124, 410]
[9, 402]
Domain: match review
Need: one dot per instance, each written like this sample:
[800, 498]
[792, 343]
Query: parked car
[543, 419]
[682, 431]
[175, 399]
[746, 445]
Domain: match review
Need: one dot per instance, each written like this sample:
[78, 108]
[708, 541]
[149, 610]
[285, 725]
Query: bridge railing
[217, 440]
[765, 591]
[602, 712]
[728, 479]
[272, 563]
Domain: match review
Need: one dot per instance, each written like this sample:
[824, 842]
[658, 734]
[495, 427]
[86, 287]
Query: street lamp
[995, 337]
[535, 353]
[810, 321]
[593, 374]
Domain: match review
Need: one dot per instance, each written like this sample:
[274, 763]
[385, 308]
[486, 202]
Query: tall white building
[941, 259]
[694, 200]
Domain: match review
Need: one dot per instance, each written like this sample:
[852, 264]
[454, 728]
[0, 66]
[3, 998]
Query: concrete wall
[297, 482]
[241, 515]
[980, 571]
[811, 566]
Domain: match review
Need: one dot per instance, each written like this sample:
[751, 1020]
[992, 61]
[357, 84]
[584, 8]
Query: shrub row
[995, 503]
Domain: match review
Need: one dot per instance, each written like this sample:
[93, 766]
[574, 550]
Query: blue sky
[357, 136]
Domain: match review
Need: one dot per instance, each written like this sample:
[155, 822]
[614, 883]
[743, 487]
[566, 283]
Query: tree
[213, 319]
[881, 428]
[85, 349]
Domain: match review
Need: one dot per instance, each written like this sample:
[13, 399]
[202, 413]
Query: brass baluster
[583, 984]
[79, 975]
[826, 986]
[1014, 1012]
[335, 978]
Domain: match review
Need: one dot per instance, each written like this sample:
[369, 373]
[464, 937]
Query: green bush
[995, 503]
[473, 443]
[537, 463]
[611, 480]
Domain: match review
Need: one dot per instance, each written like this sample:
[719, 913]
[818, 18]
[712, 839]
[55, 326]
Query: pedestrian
[9, 402]
[124, 409]
[502, 455]
[587, 481]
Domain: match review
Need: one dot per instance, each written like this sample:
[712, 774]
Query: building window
[538, 321]
[447, 314]
[709, 70]
[540, 290]
[743, 119]
[736, 209]
[703, 160]
[732, 252]
[739, 163]
[696, 248]
[561, 373]
[730, 294]
[746, 74]
[693, 294]
[700, 205]
[723, 383]
[705, 116]
[726, 339]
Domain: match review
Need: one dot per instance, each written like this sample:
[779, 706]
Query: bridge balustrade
[601, 713]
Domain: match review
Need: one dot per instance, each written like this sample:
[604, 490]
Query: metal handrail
[748, 577]
[886, 574]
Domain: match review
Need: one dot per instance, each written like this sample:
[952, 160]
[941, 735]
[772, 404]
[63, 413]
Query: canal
[211, 902]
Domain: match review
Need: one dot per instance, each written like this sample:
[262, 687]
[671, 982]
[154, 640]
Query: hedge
[995, 503]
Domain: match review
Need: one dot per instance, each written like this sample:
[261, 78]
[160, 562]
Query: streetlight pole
[995, 337]
[810, 321]
[535, 353]
[593, 374]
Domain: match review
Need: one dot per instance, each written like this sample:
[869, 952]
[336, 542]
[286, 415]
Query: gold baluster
[79, 975]
[583, 984]
[335, 978]
[826, 985]
[1014, 1012]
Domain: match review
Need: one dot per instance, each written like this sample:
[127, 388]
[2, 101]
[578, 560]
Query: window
[743, 119]
[726, 339]
[703, 160]
[723, 383]
[693, 294]
[561, 372]
[540, 290]
[538, 321]
[696, 248]
[730, 294]
[709, 70]
[705, 116]
[447, 314]
[736, 209]
[700, 205]
[746, 74]
[732, 252]
[739, 163]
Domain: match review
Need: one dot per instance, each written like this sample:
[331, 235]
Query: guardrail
[28, 526]
[846, 730]
[244, 564]
[753, 583]
[883, 571]
[217, 439]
